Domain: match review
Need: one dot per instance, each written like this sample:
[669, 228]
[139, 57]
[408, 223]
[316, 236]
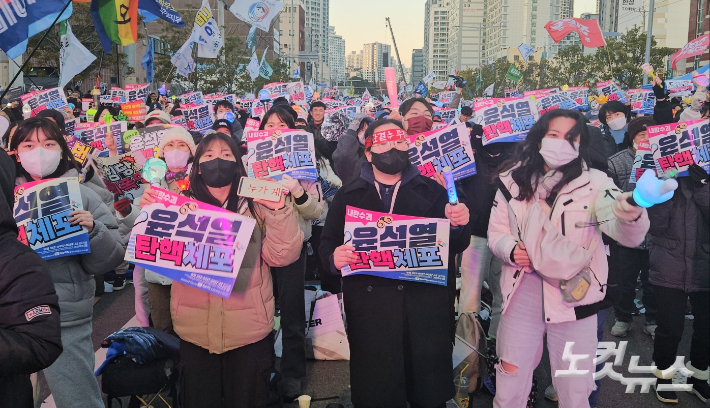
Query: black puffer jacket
[30, 337]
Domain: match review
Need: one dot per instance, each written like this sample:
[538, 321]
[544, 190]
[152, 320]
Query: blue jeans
[594, 396]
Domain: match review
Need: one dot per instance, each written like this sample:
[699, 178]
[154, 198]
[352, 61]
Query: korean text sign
[197, 117]
[135, 111]
[137, 92]
[555, 101]
[676, 146]
[122, 174]
[96, 136]
[642, 100]
[505, 119]
[79, 149]
[450, 146]
[42, 214]
[611, 91]
[579, 94]
[47, 99]
[642, 161]
[397, 246]
[145, 140]
[190, 242]
[273, 153]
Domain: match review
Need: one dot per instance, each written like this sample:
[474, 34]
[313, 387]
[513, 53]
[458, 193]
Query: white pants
[520, 343]
[477, 264]
[141, 295]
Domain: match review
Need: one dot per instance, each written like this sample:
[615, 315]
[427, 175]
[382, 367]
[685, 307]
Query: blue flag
[153, 9]
[147, 61]
[297, 73]
[38, 16]
[421, 89]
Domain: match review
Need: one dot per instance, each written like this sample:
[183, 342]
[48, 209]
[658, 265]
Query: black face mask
[218, 172]
[391, 162]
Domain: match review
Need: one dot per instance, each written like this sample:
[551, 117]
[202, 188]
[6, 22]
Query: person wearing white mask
[40, 152]
[546, 226]
[615, 117]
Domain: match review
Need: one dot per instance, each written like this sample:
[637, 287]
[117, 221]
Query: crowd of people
[553, 207]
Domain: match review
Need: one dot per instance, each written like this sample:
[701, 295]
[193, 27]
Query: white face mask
[176, 158]
[558, 152]
[361, 138]
[40, 162]
[617, 124]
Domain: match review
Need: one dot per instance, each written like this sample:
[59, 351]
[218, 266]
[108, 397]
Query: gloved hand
[624, 210]
[650, 190]
[699, 176]
[293, 186]
[659, 88]
[123, 205]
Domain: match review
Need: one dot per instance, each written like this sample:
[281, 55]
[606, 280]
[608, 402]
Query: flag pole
[34, 49]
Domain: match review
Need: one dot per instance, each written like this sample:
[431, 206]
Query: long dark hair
[285, 117]
[50, 129]
[531, 163]
[198, 189]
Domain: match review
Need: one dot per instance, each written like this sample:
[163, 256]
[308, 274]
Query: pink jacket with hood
[563, 243]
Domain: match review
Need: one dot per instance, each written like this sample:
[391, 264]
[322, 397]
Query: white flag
[253, 67]
[209, 38]
[182, 59]
[489, 90]
[257, 13]
[73, 56]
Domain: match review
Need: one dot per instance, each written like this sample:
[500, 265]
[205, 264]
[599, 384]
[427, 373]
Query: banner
[450, 146]
[197, 117]
[680, 87]
[642, 162]
[135, 111]
[611, 91]
[122, 174]
[273, 153]
[296, 92]
[191, 242]
[538, 93]
[145, 140]
[439, 84]
[118, 95]
[96, 136]
[53, 98]
[337, 120]
[589, 32]
[251, 125]
[209, 36]
[82, 152]
[446, 97]
[179, 120]
[555, 101]
[676, 146]
[642, 100]
[397, 246]
[41, 212]
[580, 95]
[257, 13]
[448, 115]
[137, 92]
[505, 119]
[691, 49]
[193, 97]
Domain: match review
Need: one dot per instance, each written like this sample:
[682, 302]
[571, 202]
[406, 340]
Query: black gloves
[699, 176]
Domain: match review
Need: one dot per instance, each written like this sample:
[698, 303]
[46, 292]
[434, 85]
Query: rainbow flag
[116, 21]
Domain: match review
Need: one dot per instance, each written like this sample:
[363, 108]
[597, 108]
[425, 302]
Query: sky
[363, 21]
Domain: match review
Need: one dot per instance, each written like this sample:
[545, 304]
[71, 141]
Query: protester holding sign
[550, 212]
[42, 153]
[226, 346]
[306, 199]
[400, 332]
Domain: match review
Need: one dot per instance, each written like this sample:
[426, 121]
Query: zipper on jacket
[554, 203]
[562, 220]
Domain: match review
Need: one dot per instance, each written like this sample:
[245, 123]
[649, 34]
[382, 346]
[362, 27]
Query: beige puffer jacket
[247, 316]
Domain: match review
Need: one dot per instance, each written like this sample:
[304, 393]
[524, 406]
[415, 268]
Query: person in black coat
[30, 337]
[401, 333]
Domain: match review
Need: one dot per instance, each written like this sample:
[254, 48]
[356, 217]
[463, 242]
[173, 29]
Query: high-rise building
[292, 24]
[699, 25]
[436, 37]
[375, 58]
[417, 66]
[317, 20]
[608, 11]
[336, 55]
[354, 60]
[670, 19]
[466, 40]
[511, 22]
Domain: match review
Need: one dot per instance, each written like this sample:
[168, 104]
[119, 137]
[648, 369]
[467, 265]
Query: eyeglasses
[401, 145]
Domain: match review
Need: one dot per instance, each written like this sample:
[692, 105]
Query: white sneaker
[550, 393]
[650, 329]
[620, 329]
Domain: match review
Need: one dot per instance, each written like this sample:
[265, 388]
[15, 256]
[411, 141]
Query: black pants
[238, 378]
[328, 281]
[671, 320]
[291, 284]
[627, 262]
